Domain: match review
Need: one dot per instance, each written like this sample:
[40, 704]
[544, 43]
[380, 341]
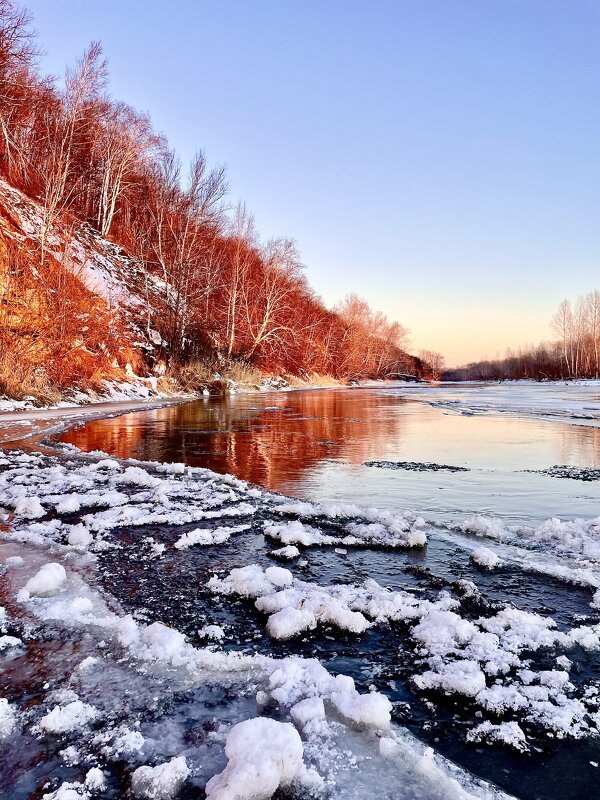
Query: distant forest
[574, 354]
[224, 293]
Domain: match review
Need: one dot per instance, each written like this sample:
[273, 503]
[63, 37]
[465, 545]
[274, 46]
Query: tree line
[222, 291]
[574, 354]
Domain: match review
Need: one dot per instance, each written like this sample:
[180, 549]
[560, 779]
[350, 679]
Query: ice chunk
[68, 505]
[68, 791]
[79, 537]
[293, 533]
[554, 678]
[138, 477]
[175, 468]
[9, 641]
[309, 715]
[207, 536]
[64, 719]
[95, 780]
[8, 718]
[162, 782]
[288, 553]
[290, 622]
[264, 755]
[29, 507]
[485, 558]
[248, 581]
[507, 733]
[365, 710]
[443, 632]
[163, 643]
[214, 632]
[460, 677]
[45, 583]
[127, 742]
[279, 576]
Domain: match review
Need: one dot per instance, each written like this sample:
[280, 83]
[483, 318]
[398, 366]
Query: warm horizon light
[438, 159]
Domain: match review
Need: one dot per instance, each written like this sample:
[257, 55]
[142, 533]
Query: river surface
[315, 445]
[450, 453]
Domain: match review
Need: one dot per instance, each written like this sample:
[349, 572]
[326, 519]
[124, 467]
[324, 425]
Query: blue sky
[438, 157]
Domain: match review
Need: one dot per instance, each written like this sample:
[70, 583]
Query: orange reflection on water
[266, 439]
[279, 440]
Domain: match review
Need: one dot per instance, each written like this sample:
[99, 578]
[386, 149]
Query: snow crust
[575, 402]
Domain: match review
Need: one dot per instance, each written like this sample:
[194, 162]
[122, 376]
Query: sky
[438, 158]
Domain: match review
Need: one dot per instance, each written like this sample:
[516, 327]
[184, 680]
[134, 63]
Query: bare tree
[83, 86]
[18, 54]
[562, 322]
[434, 363]
[267, 312]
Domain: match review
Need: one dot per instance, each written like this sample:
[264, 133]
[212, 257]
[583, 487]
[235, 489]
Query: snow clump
[8, 718]
[68, 718]
[162, 782]
[45, 583]
[485, 558]
[206, 536]
[506, 733]
[264, 755]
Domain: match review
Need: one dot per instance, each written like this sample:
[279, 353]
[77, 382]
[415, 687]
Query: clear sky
[438, 157]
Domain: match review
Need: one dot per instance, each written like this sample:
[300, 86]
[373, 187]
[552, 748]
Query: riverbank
[21, 419]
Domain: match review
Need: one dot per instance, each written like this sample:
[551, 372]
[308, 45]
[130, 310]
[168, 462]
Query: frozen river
[437, 546]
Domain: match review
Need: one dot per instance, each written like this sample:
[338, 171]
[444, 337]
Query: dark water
[314, 445]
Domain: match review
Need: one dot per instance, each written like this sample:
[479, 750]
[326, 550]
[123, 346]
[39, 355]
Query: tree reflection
[265, 439]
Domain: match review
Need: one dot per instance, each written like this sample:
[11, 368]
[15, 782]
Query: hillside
[84, 317]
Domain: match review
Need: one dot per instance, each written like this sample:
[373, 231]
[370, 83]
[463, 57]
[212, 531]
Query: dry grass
[55, 335]
[215, 375]
[21, 380]
[313, 380]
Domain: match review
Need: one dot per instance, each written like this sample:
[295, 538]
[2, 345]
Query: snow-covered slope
[101, 266]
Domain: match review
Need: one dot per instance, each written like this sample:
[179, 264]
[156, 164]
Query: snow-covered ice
[227, 715]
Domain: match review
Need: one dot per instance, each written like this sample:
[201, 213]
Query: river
[315, 444]
[505, 600]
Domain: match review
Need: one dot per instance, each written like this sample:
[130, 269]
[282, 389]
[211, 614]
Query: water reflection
[314, 444]
[266, 439]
